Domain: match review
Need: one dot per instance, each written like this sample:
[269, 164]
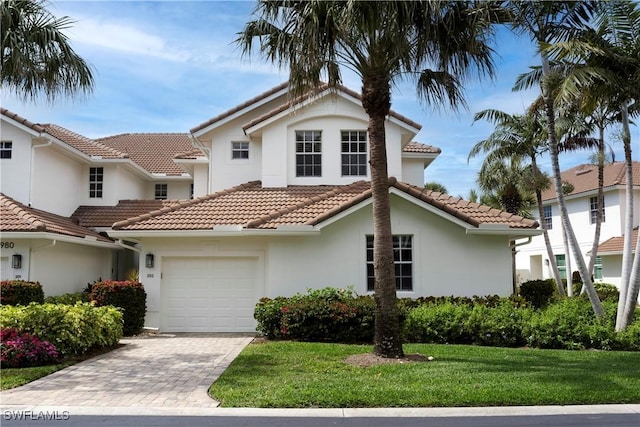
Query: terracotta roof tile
[154, 152]
[36, 127]
[416, 147]
[15, 216]
[83, 144]
[106, 216]
[615, 244]
[190, 155]
[585, 178]
[253, 207]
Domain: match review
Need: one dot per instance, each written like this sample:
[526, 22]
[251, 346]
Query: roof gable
[21, 120]
[16, 217]
[83, 144]
[250, 206]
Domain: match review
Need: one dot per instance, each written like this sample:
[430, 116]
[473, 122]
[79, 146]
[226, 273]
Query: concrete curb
[7, 410]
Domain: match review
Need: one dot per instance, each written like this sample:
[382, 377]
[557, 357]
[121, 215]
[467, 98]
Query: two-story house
[532, 260]
[282, 203]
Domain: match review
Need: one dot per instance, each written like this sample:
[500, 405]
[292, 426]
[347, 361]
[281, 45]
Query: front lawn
[15, 377]
[299, 375]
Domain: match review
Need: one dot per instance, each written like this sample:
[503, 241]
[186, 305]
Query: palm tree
[518, 135]
[35, 55]
[436, 186]
[606, 66]
[436, 44]
[546, 23]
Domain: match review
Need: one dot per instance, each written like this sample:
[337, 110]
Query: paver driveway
[154, 371]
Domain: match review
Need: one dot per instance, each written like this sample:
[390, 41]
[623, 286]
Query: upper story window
[5, 149]
[308, 153]
[354, 152]
[240, 150]
[96, 178]
[593, 208]
[161, 191]
[402, 260]
[548, 219]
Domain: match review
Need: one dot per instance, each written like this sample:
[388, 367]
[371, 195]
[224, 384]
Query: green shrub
[500, 325]
[19, 292]
[69, 299]
[538, 293]
[442, 323]
[72, 329]
[329, 314]
[607, 292]
[130, 297]
[571, 324]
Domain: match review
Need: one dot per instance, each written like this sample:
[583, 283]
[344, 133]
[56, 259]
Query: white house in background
[47, 172]
[532, 261]
[281, 203]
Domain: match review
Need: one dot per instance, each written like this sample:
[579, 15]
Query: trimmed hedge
[72, 329]
[69, 299]
[128, 296]
[19, 292]
[538, 293]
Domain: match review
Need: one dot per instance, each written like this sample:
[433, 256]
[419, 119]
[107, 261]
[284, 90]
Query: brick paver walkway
[155, 371]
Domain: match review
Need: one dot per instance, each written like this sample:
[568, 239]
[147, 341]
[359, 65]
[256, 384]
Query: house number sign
[7, 245]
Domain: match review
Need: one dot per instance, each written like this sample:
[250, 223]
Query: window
[96, 178]
[402, 259]
[191, 196]
[354, 152]
[5, 149]
[562, 266]
[593, 208]
[597, 268]
[161, 191]
[548, 220]
[239, 150]
[308, 153]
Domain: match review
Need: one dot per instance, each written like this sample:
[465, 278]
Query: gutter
[120, 243]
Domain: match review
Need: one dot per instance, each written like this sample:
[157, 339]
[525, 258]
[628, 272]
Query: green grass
[300, 375]
[15, 377]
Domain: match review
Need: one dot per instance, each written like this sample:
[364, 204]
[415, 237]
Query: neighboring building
[532, 260]
[282, 203]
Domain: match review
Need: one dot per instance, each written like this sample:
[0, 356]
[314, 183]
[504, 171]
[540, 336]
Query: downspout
[207, 151]
[31, 251]
[513, 245]
[33, 147]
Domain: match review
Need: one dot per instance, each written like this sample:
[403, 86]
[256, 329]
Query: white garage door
[209, 294]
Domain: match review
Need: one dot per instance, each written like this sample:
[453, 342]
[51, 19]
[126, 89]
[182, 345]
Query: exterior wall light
[16, 261]
[149, 261]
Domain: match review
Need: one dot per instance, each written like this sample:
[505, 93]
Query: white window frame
[547, 211]
[96, 182]
[402, 260]
[593, 209]
[6, 150]
[161, 190]
[240, 150]
[353, 152]
[308, 153]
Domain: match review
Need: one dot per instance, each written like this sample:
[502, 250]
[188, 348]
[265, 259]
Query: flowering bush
[21, 350]
[19, 292]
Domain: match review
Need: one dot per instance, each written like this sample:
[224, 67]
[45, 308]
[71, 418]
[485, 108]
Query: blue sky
[167, 66]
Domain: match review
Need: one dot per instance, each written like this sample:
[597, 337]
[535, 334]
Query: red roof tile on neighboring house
[16, 217]
[254, 207]
[13, 116]
[416, 147]
[615, 244]
[585, 178]
[106, 216]
[83, 144]
[154, 152]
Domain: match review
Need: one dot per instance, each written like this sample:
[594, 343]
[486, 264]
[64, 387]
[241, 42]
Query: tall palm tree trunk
[600, 198]
[376, 100]
[564, 214]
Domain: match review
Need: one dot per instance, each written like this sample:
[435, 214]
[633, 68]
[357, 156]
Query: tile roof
[154, 152]
[105, 216]
[36, 127]
[416, 147]
[254, 207]
[16, 217]
[83, 144]
[615, 244]
[585, 178]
